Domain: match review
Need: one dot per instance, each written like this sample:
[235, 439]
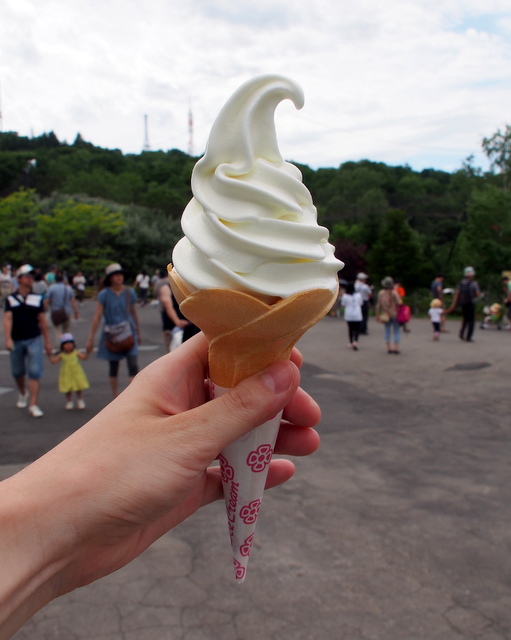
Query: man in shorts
[25, 329]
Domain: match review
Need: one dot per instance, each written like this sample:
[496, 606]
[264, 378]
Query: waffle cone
[244, 334]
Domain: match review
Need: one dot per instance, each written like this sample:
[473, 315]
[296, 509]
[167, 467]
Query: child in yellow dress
[71, 376]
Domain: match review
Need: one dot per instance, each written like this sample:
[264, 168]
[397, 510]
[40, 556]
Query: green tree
[147, 240]
[78, 234]
[18, 223]
[486, 238]
[398, 252]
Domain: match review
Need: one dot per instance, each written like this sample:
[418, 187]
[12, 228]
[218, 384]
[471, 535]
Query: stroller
[494, 317]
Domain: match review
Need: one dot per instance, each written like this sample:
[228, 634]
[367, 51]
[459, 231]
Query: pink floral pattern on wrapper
[259, 459]
[225, 469]
[249, 512]
[239, 570]
[246, 546]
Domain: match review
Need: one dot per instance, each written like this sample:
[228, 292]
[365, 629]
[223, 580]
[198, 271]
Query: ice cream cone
[245, 337]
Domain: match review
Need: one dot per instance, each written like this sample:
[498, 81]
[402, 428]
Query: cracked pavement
[398, 528]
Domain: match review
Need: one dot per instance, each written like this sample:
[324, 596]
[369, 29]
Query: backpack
[466, 292]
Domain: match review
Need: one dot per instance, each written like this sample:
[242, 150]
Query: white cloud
[408, 82]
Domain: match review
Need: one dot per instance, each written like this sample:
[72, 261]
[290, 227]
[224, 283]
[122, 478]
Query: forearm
[43, 325]
[7, 325]
[171, 312]
[29, 565]
[46, 518]
[95, 322]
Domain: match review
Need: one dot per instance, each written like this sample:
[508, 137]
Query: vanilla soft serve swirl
[251, 225]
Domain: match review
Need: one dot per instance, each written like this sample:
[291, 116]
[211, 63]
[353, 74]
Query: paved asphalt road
[398, 528]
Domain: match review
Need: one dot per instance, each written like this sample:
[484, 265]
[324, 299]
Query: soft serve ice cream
[254, 272]
[251, 225]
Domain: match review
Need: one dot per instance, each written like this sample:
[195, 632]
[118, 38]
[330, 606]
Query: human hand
[141, 466]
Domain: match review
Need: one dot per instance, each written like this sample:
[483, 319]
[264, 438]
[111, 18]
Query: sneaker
[69, 405]
[35, 412]
[80, 404]
[22, 400]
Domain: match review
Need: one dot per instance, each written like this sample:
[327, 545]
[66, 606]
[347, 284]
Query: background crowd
[391, 309]
[39, 308]
[38, 312]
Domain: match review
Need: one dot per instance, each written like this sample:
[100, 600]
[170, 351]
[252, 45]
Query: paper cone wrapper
[246, 335]
[244, 467]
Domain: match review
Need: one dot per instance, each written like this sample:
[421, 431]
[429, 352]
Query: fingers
[296, 441]
[175, 382]
[296, 357]
[302, 410]
[279, 471]
[252, 402]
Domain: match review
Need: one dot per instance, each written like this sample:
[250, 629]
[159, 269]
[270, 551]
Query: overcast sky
[416, 82]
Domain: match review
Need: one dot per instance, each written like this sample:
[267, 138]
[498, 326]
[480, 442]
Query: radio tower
[147, 146]
[190, 129]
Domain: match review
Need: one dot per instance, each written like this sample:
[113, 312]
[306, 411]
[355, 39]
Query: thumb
[248, 405]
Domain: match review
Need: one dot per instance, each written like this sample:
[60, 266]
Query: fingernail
[278, 377]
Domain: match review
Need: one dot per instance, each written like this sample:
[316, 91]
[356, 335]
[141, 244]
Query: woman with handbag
[120, 333]
[387, 306]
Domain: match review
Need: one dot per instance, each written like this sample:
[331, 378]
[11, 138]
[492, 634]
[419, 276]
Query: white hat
[110, 270]
[25, 270]
[362, 276]
[469, 271]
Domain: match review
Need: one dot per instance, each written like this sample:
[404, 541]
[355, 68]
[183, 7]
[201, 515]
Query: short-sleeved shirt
[25, 315]
[115, 311]
[435, 314]
[59, 295]
[352, 304]
[364, 289]
[468, 290]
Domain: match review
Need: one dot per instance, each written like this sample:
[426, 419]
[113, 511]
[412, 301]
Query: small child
[71, 376]
[435, 313]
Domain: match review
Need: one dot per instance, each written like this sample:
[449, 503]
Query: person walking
[172, 318]
[435, 314]
[61, 304]
[72, 377]
[25, 331]
[79, 284]
[5, 283]
[465, 295]
[352, 302]
[142, 282]
[116, 306]
[387, 305]
[366, 292]
[437, 291]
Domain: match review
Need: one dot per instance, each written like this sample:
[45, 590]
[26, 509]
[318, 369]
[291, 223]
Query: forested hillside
[84, 206]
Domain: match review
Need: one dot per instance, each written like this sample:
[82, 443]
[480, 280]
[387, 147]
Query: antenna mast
[190, 129]
[147, 146]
